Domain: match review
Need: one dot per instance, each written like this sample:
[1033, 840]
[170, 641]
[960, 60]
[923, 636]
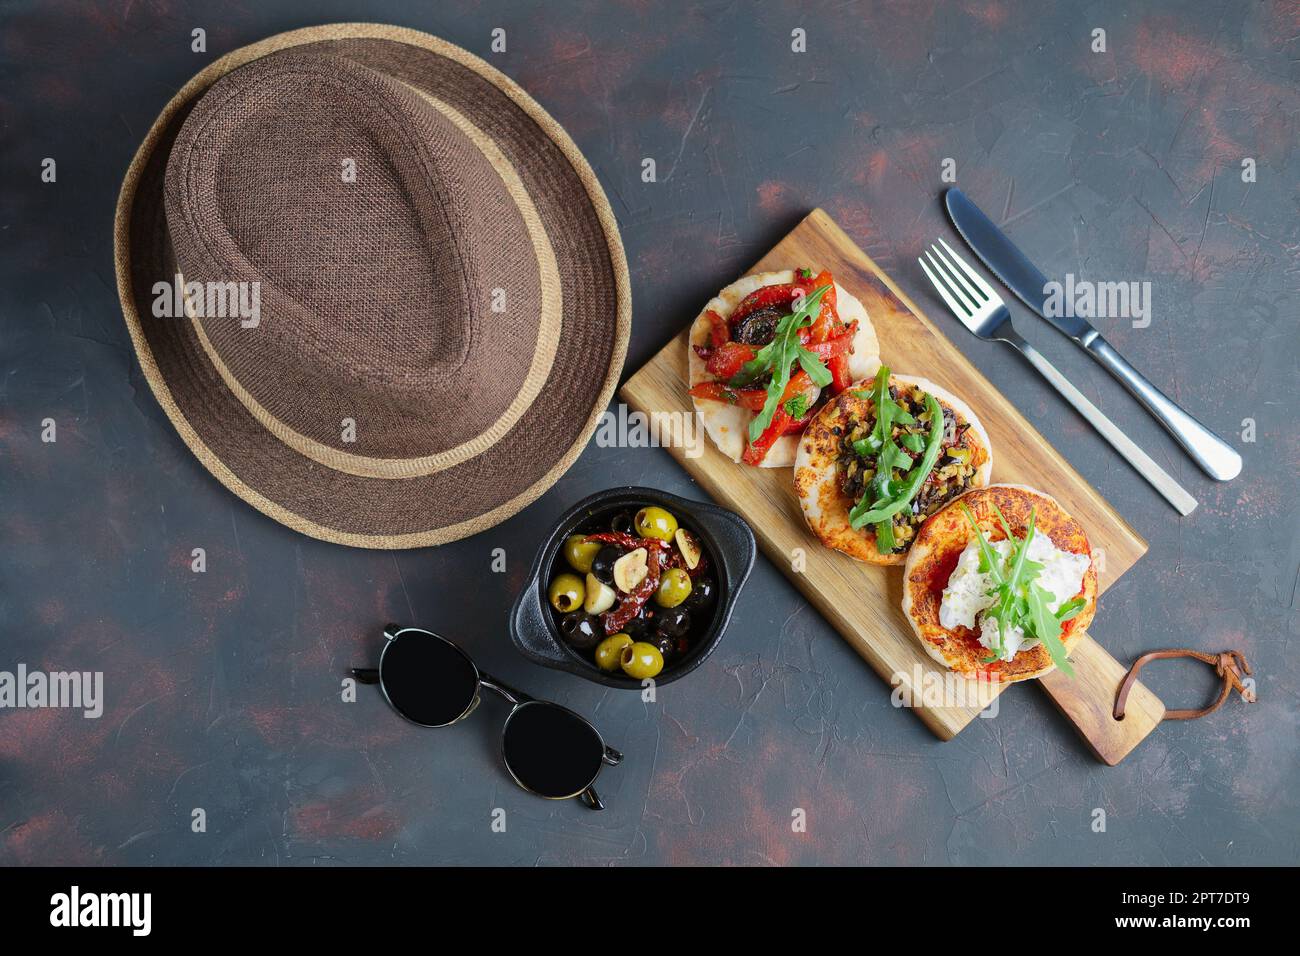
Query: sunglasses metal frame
[516, 698]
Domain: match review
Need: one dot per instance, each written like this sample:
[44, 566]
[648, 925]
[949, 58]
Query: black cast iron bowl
[728, 542]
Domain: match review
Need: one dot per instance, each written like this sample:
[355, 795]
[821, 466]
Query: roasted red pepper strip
[841, 377]
[783, 295]
[769, 295]
[799, 384]
[824, 326]
[719, 330]
[727, 359]
[796, 425]
[835, 353]
[750, 398]
[756, 451]
[838, 344]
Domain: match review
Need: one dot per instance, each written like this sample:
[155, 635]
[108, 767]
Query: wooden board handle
[1087, 699]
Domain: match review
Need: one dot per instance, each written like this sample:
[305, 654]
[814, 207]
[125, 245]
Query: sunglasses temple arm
[366, 675]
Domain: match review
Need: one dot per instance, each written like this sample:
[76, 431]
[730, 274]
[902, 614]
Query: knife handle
[1160, 479]
[1218, 459]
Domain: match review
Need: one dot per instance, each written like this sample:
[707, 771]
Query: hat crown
[376, 235]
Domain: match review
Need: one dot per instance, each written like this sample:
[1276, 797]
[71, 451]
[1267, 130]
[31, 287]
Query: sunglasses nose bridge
[512, 696]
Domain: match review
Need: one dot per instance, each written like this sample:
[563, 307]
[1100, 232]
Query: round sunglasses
[549, 750]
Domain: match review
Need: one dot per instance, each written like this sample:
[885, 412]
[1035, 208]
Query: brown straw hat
[376, 288]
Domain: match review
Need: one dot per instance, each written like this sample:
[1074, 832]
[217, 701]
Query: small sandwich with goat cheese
[1000, 584]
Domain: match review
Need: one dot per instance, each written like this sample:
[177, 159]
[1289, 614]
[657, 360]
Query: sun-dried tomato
[631, 604]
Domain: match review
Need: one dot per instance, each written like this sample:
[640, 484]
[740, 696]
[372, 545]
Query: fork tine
[983, 286]
[970, 302]
[955, 273]
[958, 309]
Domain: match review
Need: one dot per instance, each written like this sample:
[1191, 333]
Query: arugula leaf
[863, 513]
[887, 410]
[762, 359]
[797, 405]
[1022, 602]
[890, 457]
[989, 563]
[864, 448]
[1070, 609]
[1019, 548]
[780, 355]
[1046, 627]
[811, 363]
[913, 442]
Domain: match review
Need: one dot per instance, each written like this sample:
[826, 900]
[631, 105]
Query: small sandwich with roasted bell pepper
[884, 455]
[767, 353]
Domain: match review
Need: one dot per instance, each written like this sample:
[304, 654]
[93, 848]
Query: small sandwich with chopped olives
[880, 458]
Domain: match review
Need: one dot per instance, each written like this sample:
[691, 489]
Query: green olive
[674, 588]
[579, 552]
[609, 652]
[641, 660]
[567, 593]
[655, 523]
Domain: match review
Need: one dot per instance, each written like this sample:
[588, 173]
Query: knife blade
[1216, 457]
[1008, 263]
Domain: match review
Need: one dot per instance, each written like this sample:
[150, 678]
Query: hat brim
[455, 502]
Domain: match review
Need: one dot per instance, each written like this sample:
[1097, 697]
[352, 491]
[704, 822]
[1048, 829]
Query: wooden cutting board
[863, 601]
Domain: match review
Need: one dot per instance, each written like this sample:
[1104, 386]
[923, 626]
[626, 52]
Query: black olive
[622, 523]
[641, 627]
[602, 565]
[583, 631]
[703, 593]
[674, 622]
[667, 646]
[759, 327]
[949, 424]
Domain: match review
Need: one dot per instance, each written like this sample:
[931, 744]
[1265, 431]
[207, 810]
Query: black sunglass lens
[551, 751]
[427, 679]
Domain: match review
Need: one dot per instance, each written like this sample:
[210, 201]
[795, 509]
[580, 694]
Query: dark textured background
[223, 688]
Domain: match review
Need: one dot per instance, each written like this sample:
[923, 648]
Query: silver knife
[1218, 459]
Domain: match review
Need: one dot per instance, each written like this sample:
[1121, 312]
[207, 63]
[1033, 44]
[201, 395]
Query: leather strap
[1230, 665]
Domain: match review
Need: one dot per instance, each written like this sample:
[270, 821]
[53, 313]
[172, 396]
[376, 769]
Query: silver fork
[980, 309]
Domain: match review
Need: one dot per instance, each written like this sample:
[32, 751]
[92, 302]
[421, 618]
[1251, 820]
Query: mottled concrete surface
[223, 688]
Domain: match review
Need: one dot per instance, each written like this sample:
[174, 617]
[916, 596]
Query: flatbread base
[816, 469]
[934, 555]
[728, 425]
